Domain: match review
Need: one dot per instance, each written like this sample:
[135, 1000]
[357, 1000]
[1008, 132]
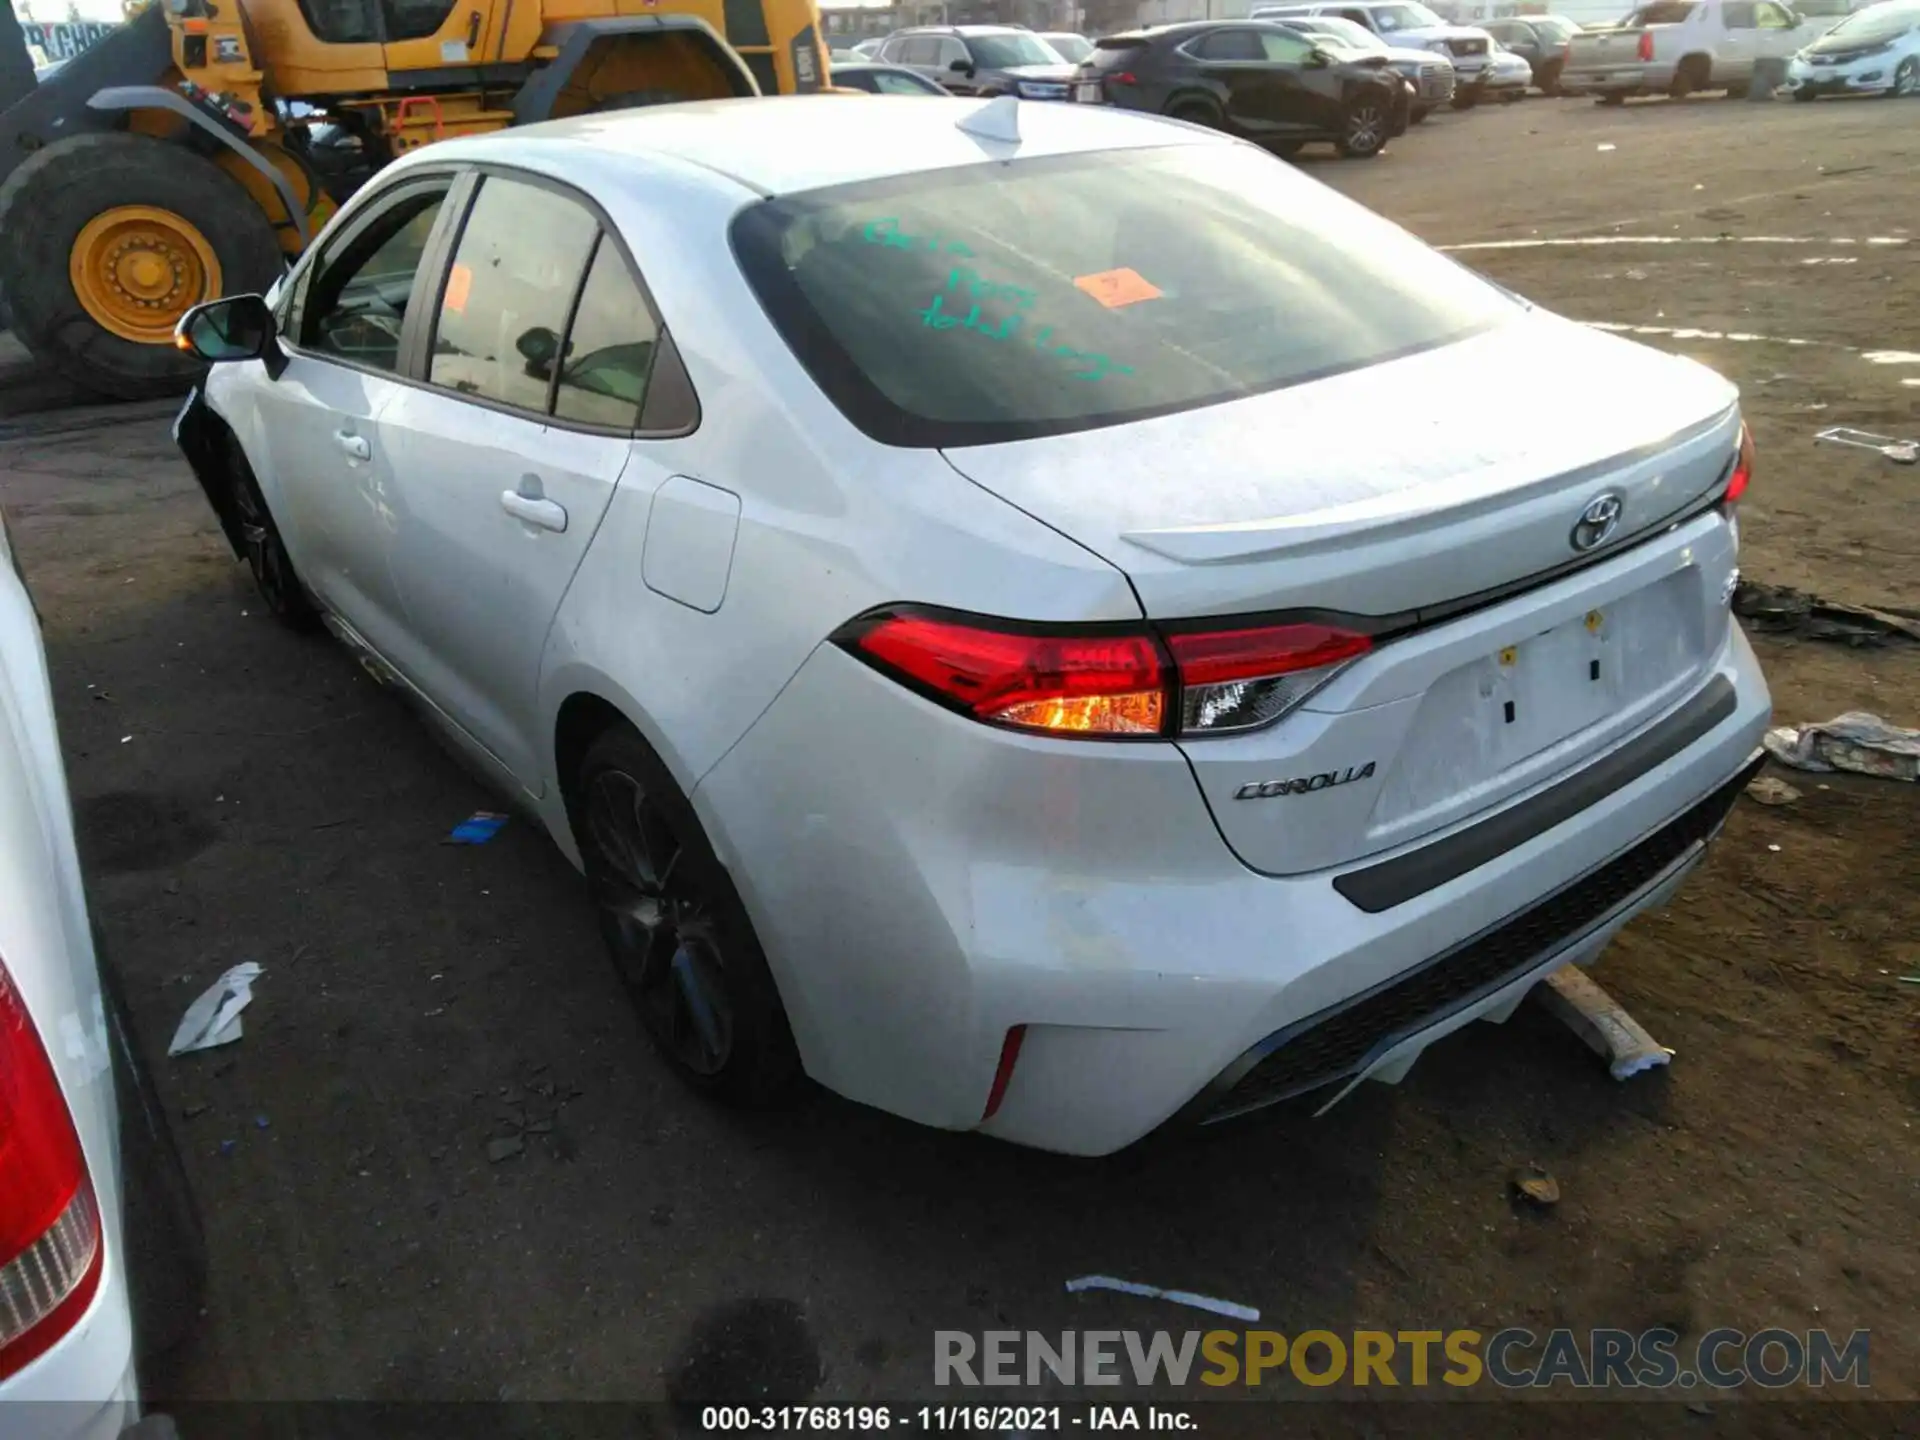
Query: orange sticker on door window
[459, 284]
[1114, 288]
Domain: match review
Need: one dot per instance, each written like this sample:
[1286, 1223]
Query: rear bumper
[1647, 79]
[922, 884]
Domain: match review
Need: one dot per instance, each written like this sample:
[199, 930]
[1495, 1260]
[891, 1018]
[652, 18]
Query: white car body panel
[1866, 69]
[919, 881]
[84, 1386]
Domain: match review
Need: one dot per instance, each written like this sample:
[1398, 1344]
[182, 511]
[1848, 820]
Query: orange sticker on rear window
[459, 283]
[1114, 288]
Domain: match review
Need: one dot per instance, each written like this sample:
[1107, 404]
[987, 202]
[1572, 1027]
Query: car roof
[779, 145]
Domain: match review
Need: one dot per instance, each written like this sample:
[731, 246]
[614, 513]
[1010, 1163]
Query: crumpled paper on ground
[1856, 741]
[214, 1018]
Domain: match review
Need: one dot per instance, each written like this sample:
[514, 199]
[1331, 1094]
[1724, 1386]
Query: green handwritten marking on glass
[967, 285]
[887, 232]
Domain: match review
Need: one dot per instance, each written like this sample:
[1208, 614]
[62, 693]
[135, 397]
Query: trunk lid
[1410, 490]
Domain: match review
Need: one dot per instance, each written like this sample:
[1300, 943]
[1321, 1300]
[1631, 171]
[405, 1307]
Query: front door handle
[355, 445]
[535, 510]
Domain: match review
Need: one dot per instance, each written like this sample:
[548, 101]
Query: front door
[1305, 89]
[328, 484]
[1235, 62]
[1734, 56]
[1778, 32]
[507, 457]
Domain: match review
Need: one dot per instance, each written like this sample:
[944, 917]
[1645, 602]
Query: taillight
[1742, 475]
[1116, 682]
[1646, 45]
[1085, 682]
[50, 1250]
[1242, 679]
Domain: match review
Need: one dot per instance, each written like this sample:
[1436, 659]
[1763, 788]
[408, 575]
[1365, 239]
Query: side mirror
[240, 327]
[1318, 60]
[960, 67]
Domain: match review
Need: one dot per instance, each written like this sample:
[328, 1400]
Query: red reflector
[1646, 45]
[1221, 656]
[50, 1253]
[1742, 474]
[1123, 77]
[1093, 683]
[1009, 1057]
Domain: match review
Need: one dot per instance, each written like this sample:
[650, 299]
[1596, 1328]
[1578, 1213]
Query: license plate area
[1087, 92]
[1530, 707]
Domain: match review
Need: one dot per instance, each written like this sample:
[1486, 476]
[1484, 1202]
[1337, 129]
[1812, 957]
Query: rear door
[506, 457]
[1235, 62]
[328, 483]
[1737, 44]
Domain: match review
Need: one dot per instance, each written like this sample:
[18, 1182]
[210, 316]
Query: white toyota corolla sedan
[1039, 617]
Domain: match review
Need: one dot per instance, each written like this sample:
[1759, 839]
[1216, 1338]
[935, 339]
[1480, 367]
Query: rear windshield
[1555, 27]
[1002, 301]
[1117, 50]
[1666, 12]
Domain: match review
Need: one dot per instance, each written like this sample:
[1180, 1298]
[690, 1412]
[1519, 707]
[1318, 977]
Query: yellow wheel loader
[199, 148]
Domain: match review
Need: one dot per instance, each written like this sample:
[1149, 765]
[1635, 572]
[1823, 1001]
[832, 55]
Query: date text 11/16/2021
[944, 1419]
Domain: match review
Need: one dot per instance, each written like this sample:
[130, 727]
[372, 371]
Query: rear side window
[1230, 45]
[603, 379]
[507, 293]
[1009, 300]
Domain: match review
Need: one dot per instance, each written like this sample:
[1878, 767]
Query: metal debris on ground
[1901, 452]
[1153, 1292]
[1537, 1186]
[1856, 741]
[477, 829]
[1770, 790]
[1782, 610]
[1602, 1022]
[213, 1019]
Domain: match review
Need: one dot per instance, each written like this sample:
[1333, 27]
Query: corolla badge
[1597, 522]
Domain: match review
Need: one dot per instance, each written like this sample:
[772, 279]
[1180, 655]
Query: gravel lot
[243, 794]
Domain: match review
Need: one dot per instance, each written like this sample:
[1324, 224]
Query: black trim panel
[1393, 882]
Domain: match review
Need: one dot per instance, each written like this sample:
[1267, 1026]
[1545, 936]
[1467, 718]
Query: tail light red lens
[1123, 77]
[50, 1247]
[1742, 474]
[1243, 679]
[1107, 681]
[1646, 45]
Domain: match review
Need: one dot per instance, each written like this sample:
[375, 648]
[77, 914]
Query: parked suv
[1430, 74]
[1256, 79]
[1408, 25]
[1540, 40]
[1677, 47]
[982, 60]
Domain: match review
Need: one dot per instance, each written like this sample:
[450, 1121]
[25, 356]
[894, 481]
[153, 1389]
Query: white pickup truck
[1675, 47]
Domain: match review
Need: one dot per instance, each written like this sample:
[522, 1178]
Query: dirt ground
[246, 795]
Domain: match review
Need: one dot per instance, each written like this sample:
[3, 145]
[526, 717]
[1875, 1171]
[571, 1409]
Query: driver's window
[950, 51]
[505, 299]
[1772, 17]
[1739, 15]
[1358, 17]
[357, 304]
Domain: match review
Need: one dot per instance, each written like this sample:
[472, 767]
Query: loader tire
[635, 100]
[106, 240]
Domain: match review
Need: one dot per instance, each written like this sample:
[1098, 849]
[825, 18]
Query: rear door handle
[547, 514]
[355, 445]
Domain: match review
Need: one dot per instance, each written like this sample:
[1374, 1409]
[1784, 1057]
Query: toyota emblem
[1597, 522]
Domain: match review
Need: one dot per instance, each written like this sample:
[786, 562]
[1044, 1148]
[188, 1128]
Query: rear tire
[46, 207]
[678, 935]
[1465, 99]
[1802, 97]
[1694, 74]
[1196, 112]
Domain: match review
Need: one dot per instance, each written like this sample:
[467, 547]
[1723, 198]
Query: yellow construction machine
[200, 147]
